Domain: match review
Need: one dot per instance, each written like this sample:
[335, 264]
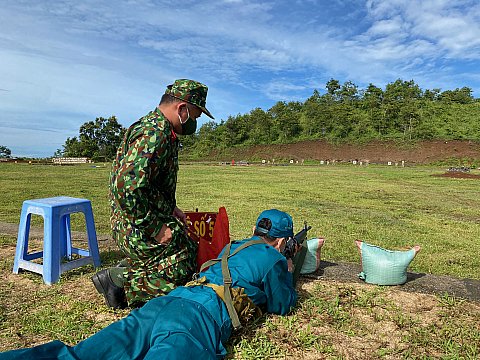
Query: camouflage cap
[190, 91]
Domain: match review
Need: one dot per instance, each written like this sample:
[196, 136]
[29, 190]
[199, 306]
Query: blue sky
[63, 63]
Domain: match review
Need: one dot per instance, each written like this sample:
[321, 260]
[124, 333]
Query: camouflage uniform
[142, 196]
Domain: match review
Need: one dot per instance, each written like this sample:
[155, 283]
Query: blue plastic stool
[57, 241]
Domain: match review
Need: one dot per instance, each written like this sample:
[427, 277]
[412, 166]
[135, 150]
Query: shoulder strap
[227, 278]
[227, 283]
[211, 262]
[247, 244]
[207, 264]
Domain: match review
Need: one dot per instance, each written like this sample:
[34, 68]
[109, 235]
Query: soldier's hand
[164, 237]
[291, 266]
[298, 247]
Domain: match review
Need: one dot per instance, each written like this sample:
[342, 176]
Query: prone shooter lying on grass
[196, 320]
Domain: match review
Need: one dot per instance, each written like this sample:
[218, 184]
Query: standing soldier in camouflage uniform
[147, 225]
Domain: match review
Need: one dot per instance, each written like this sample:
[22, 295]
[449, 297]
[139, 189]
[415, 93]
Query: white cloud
[283, 90]
[387, 27]
[90, 58]
[453, 26]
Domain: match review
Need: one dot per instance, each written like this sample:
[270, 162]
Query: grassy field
[392, 207]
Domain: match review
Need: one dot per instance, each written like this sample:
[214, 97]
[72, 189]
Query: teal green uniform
[189, 322]
[142, 197]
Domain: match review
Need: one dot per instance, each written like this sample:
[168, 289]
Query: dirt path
[37, 232]
[375, 152]
[416, 282]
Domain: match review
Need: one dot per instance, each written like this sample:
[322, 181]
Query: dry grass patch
[333, 320]
[358, 321]
[32, 313]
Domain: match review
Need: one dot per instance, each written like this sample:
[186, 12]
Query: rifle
[298, 257]
[295, 241]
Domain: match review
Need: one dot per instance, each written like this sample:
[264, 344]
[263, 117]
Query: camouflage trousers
[154, 269]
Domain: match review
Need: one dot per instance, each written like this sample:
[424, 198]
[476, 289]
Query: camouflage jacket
[144, 175]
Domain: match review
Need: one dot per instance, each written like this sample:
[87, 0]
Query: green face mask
[189, 126]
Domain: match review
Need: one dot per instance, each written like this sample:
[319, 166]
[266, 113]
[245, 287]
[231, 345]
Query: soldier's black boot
[113, 294]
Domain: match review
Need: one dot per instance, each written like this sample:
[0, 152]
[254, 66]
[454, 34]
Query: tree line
[344, 113]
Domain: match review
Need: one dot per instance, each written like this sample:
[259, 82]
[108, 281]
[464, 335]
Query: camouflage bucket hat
[190, 91]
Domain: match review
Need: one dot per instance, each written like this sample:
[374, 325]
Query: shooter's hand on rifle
[295, 243]
[291, 265]
[295, 252]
